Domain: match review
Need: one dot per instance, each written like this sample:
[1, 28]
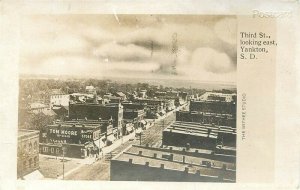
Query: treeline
[40, 89]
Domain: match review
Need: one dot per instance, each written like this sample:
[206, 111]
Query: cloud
[211, 60]
[115, 52]
[207, 64]
[77, 44]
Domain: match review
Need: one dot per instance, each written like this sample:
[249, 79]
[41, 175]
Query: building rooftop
[199, 129]
[208, 114]
[156, 157]
[22, 133]
[120, 94]
[208, 95]
[92, 124]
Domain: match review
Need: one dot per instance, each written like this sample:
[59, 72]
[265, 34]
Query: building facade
[207, 118]
[59, 100]
[139, 163]
[78, 139]
[197, 135]
[28, 152]
[92, 111]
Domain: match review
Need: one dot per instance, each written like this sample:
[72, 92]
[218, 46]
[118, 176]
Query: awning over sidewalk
[36, 175]
[99, 143]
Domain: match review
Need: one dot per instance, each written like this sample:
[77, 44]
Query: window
[45, 149]
[30, 162]
[57, 150]
[35, 161]
[52, 150]
[24, 164]
[35, 145]
[30, 147]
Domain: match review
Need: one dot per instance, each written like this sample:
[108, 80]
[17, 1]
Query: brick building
[133, 111]
[219, 107]
[92, 111]
[78, 138]
[59, 100]
[28, 152]
[139, 163]
[207, 118]
[153, 107]
[199, 135]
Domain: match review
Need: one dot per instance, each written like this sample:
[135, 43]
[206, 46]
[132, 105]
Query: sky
[176, 47]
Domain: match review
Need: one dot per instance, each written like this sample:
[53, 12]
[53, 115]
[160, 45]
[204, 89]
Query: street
[100, 170]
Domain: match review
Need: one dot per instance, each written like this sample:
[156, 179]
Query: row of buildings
[86, 123]
[199, 146]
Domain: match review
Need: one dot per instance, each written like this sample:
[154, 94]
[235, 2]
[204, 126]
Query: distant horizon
[177, 83]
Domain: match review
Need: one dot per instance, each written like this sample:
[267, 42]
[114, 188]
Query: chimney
[154, 155]
[208, 132]
[186, 170]
[171, 148]
[183, 150]
[130, 160]
[162, 166]
[224, 167]
[198, 172]
[140, 152]
[197, 151]
[147, 164]
[183, 159]
[147, 145]
[171, 157]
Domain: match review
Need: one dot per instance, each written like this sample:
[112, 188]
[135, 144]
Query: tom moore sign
[72, 135]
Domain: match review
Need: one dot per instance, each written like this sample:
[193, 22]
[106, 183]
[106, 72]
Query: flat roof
[193, 163]
[76, 124]
[25, 132]
[199, 129]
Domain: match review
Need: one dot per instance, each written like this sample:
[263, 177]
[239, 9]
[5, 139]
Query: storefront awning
[99, 143]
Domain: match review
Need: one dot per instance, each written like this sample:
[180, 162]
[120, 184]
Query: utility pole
[140, 138]
[63, 150]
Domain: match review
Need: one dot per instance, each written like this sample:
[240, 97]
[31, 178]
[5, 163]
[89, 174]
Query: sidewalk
[117, 143]
[88, 160]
